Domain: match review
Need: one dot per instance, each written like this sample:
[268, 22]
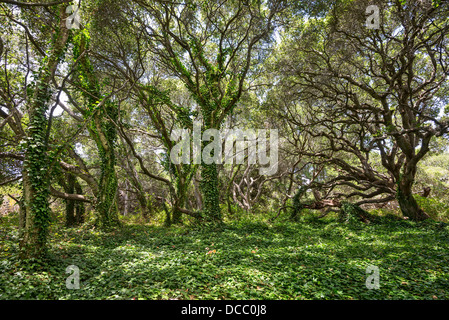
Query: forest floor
[243, 260]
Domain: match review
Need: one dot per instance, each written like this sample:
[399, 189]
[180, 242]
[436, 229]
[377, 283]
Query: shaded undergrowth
[243, 260]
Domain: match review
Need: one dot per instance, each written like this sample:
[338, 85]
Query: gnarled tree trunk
[407, 202]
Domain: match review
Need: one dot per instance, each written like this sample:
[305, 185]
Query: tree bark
[34, 219]
[179, 201]
[70, 204]
[80, 209]
[209, 190]
[107, 205]
[103, 131]
[407, 203]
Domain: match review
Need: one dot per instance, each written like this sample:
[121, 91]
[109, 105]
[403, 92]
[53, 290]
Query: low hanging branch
[327, 204]
[68, 196]
[346, 211]
[10, 180]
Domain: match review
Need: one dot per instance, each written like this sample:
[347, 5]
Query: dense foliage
[98, 98]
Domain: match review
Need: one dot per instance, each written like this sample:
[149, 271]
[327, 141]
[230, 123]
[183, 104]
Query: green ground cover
[243, 260]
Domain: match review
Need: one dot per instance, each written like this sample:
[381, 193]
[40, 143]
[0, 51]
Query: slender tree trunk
[70, 220]
[197, 192]
[22, 216]
[143, 205]
[126, 199]
[168, 220]
[80, 209]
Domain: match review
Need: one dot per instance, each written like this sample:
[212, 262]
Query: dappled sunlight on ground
[244, 260]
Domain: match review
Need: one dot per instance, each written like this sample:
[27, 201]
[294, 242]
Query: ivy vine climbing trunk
[181, 193]
[102, 114]
[154, 100]
[35, 216]
[213, 68]
[209, 190]
[107, 204]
